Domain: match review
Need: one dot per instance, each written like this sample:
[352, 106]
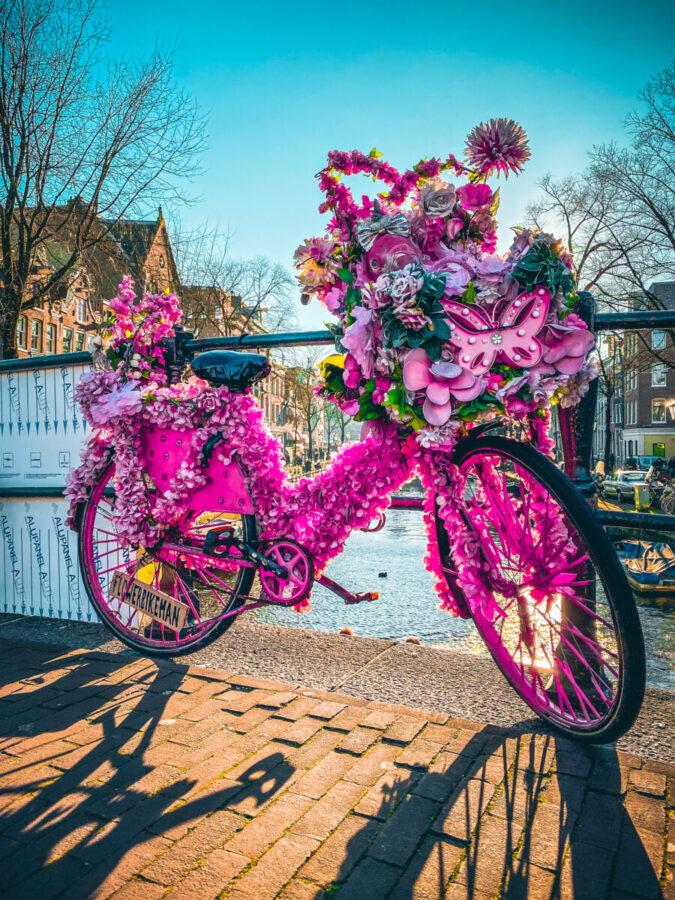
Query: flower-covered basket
[436, 331]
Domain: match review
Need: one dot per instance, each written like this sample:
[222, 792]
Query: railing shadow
[540, 832]
[68, 833]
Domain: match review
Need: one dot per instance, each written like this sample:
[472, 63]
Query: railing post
[577, 422]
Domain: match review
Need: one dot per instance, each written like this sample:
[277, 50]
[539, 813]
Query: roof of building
[665, 291]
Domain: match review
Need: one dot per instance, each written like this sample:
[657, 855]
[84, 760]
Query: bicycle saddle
[236, 370]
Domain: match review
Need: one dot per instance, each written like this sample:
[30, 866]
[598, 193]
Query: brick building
[75, 308]
[641, 366]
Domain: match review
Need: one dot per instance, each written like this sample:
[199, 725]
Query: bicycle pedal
[364, 597]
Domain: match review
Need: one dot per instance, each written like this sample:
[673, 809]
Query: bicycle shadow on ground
[506, 824]
[66, 833]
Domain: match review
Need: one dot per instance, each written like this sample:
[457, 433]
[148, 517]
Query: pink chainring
[297, 563]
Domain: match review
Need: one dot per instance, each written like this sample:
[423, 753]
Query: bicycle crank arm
[343, 593]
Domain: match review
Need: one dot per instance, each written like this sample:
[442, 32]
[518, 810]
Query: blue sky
[284, 83]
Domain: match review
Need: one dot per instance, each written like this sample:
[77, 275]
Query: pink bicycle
[186, 517]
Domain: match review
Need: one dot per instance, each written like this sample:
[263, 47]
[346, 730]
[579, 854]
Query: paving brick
[639, 861]
[386, 794]
[210, 878]
[400, 836]
[646, 782]
[427, 714]
[490, 857]
[336, 857]
[323, 776]
[600, 822]
[349, 718]
[519, 797]
[300, 731]
[259, 683]
[460, 816]
[372, 764]
[378, 719]
[609, 777]
[274, 869]
[269, 825]
[403, 729]
[184, 855]
[104, 879]
[327, 710]
[310, 753]
[139, 890]
[440, 734]
[646, 813]
[371, 879]
[530, 883]
[297, 708]
[358, 741]
[586, 872]
[548, 837]
[301, 890]
[418, 754]
[277, 700]
[565, 791]
[429, 871]
[327, 813]
[239, 701]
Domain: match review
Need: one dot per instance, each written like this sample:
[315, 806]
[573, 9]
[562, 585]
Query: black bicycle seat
[236, 370]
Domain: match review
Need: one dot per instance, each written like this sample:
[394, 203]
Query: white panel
[40, 573]
[41, 428]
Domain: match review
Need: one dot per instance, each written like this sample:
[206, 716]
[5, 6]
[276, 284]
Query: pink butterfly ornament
[480, 339]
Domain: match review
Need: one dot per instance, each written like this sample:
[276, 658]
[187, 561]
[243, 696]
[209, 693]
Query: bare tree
[641, 178]
[335, 422]
[85, 138]
[225, 295]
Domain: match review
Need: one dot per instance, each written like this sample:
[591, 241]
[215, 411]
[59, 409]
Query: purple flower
[359, 337]
[500, 144]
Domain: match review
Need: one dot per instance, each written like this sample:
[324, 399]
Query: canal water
[392, 562]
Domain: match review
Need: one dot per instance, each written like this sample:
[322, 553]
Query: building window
[631, 344]
[79, 341]
[81, 313]
[631, 379]
[21, 332]
[658, 375]
[51, 338]
[658, 340]
[36, 335]
[658, 410]
[67, 340]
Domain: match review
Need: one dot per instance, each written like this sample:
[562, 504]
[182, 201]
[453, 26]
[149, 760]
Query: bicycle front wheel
[199, 590]
[546, 590]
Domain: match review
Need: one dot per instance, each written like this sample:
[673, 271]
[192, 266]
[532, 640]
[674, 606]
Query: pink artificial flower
[382, 385]
[334, 299]
[124, 401]
[473, 196]
[567, 345]
[359, 337]
[440, 381]
[352, 372]
[453, 227]
[390, 253]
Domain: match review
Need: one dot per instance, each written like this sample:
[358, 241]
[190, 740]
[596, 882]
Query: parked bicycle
[185, 515]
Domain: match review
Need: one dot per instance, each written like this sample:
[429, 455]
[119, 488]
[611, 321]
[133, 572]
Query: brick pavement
[127, 779]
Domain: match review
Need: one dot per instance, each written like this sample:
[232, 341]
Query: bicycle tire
[612, 586]
[148, 646]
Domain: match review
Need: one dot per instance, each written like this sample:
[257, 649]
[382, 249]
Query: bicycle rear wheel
[546, 590]
[203, 591]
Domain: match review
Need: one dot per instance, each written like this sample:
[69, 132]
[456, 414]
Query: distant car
[622, 484]
[646, 462]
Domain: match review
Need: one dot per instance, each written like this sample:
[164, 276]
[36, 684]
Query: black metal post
[577, 422]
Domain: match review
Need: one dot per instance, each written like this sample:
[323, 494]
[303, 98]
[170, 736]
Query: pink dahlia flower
[499, 145]
[442, 381]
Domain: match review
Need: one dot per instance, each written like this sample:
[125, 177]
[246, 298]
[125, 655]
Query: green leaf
[346, 276]
[494, 206]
